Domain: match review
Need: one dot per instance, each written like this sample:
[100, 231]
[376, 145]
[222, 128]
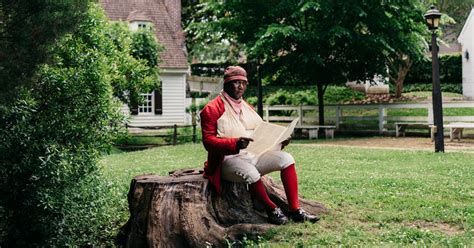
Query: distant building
[466, 38]
[165, 106]
[450, 44]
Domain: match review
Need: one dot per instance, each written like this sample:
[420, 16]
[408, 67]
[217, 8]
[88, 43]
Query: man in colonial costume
[227, 123]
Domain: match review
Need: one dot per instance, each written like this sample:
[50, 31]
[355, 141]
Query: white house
[466, 38]
[165, 106]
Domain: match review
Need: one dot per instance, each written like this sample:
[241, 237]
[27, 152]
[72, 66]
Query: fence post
[430, 113]
[338, 115]
[267, 113]
[382, 115]
[175, 134]
[300, 114]
[194, 133]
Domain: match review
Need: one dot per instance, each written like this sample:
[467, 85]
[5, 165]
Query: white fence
[335, 113]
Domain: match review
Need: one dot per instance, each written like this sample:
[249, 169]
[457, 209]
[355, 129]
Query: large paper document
[267, 136]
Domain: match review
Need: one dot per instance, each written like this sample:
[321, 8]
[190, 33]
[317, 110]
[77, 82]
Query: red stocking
[257, 190]
[290, 182]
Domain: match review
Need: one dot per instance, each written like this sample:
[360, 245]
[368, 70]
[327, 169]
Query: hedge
[450, 70]
[306, 95]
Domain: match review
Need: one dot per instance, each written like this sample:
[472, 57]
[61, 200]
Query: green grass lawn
[423, 95]
[376, 197]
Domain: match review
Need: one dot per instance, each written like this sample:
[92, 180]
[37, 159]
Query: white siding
[468, 69]
[174, 99]
[466, 39]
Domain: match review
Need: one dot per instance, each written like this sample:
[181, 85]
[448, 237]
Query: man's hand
[285, 142]
[243, 142]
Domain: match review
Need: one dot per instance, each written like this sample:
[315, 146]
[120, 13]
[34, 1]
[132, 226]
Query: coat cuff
[235, 149]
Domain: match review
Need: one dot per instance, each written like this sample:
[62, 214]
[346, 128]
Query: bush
[276, 95]
[340, 94]
[252, 100]
[454, 88]
[52, 136]
[450, 70]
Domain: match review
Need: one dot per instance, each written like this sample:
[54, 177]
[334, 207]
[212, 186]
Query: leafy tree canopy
[27, 30]
[319, 42]
[206, 47]
[455, 13]
[328, 41]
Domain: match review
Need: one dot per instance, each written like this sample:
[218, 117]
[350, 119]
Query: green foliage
[145, 46]
[132, 71]
[203, 46]
[253, 100]
[445, 87]
[195, 108]
[340, 94]
[316, 42]
[450, 70]
[54, 131]
[457, 10]
[185, 135]
[324, 37]
[284, 97]
[281, 95]
[28, 28]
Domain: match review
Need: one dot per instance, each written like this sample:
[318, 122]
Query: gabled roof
[469, 21]
[166, 17]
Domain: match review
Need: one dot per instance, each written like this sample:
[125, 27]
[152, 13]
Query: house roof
[469, 21]
[166, 17]
[138, 15]
[450, 44]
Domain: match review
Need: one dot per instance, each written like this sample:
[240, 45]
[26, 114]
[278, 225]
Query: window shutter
[134, 110]
[158, 100]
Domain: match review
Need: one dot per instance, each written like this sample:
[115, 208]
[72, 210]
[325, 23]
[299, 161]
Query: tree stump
[183, 210]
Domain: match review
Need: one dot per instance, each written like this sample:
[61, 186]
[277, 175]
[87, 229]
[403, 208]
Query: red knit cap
[233, 73]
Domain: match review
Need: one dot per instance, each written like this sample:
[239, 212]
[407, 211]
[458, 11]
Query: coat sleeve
[226, 146]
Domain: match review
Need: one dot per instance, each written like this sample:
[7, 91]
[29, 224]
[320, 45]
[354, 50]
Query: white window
[142, 25]
[147, 107]
[136, 25]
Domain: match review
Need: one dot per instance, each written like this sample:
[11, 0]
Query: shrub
[252, 100]
[450, 70]
[280, 97]
[340, 94]
[304, 95]
[454, 88]
[52, 135]
[133, 68]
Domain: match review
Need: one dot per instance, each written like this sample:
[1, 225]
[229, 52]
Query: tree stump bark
[182, 210]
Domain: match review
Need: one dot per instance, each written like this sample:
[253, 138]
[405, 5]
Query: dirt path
[401, 143]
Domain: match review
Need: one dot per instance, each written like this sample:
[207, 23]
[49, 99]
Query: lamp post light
[432, 18]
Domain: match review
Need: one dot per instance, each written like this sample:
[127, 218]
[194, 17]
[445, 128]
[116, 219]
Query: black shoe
[277, 217]
[301, 216]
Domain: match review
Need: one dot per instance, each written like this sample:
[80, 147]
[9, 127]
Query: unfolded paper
[267, 136]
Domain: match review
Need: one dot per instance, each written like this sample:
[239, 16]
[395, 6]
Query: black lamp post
[432, 18]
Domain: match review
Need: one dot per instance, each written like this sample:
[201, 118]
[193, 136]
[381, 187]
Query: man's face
[235, 89]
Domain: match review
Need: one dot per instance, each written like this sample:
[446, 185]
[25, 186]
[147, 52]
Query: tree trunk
[183, 211]
[402, 72]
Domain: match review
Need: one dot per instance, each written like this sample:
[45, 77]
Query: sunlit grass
[376, 197]
[425, 94]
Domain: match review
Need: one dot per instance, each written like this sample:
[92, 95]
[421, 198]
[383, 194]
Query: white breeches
[244, 168]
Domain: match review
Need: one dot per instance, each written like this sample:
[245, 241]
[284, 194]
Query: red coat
[216, 147]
